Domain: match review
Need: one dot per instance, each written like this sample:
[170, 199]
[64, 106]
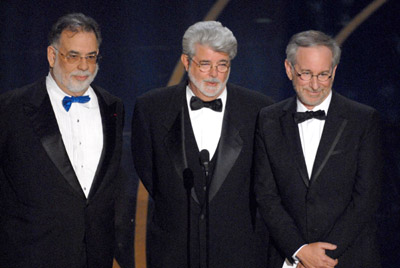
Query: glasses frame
[78, 58]
[312, 75]
[211, 66]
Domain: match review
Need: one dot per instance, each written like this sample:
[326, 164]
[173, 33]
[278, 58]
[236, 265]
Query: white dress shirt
[206, 124]
[310, 135]
[81, 130]
[311, 131]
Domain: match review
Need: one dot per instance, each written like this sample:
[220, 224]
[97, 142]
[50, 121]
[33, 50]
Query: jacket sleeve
[141, 145]
[282, 228]
[366, 191]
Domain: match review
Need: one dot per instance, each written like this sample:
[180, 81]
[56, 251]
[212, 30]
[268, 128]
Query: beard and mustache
[209, 91]
[69, 82]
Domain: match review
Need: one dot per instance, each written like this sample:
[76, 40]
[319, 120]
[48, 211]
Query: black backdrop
[142, 44]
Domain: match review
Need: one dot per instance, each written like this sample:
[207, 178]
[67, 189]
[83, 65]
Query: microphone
[188, 178]
[204, 160]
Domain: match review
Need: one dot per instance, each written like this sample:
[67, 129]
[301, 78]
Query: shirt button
[202, 216]
[77, 120]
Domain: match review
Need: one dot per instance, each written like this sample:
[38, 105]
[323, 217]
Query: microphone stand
[207, 220]
[188, 181]
[204, 160]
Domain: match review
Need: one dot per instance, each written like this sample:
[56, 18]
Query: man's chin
[78, 89]
[212, 92]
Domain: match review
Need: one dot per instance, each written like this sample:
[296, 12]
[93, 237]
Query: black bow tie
[196, 104]
[300, 117]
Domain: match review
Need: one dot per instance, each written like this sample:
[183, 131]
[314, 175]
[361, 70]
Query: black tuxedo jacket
[163, 145]
[337, 204]
[45, 218]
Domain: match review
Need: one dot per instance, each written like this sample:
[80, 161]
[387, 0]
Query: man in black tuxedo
[170, 127]
[318, 166]
[60, 151]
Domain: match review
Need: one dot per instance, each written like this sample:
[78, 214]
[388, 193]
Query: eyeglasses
[73, 58]
[307, 76]
[206, 66]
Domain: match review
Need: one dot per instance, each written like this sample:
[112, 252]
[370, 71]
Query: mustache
[81, 73]
[212, 80]
[313, 90]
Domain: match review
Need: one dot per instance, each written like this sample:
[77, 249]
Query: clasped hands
[313, 256]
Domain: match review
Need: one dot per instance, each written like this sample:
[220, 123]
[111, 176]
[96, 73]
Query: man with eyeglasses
[60, 151]
[171, 130]
[318, 166]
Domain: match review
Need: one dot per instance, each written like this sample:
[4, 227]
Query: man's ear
[334, 72]
[185, 61]
[288, 68]
[51, 56]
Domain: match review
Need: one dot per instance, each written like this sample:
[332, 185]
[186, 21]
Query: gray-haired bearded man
[170, 127]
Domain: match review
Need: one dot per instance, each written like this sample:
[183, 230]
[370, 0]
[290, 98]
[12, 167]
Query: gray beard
[76, 86]
[201, 86]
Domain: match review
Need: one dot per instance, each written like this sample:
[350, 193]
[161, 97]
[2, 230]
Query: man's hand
[313, 256]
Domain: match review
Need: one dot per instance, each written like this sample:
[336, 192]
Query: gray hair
[74, 22]
[311, 39]
[211, 34]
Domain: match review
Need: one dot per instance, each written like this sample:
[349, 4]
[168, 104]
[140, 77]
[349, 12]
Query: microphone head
[188, 178]
[204, 157]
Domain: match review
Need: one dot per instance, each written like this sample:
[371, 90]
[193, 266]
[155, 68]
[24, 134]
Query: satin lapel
[108, 112]
[291, 132]
[230, 145]
[333, 130]
[174, 141]
[44, 122]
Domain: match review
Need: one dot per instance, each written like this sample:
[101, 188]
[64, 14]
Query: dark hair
[74, 22]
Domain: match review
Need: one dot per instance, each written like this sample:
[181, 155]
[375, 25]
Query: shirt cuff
[297, 251]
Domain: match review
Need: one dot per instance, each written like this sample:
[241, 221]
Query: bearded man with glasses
[318, 166]
[200, 220]
[60, 151]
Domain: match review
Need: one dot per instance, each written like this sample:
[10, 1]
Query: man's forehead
[313, 52]
[314, 56]
[78, 40]
[67, 35]
[207, 53]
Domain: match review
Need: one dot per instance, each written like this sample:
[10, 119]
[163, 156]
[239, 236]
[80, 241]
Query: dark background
[142, 44]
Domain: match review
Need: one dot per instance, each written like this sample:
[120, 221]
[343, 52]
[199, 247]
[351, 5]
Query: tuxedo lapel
[177, 123]
[291, 133]
[109, 116]
[44, 122]
[334, 126]
[230, 144]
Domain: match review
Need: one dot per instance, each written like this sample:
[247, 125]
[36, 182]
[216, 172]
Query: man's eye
[91, 57]
[73, 56]
[305, 73]
[205, 64]
[323, 74]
